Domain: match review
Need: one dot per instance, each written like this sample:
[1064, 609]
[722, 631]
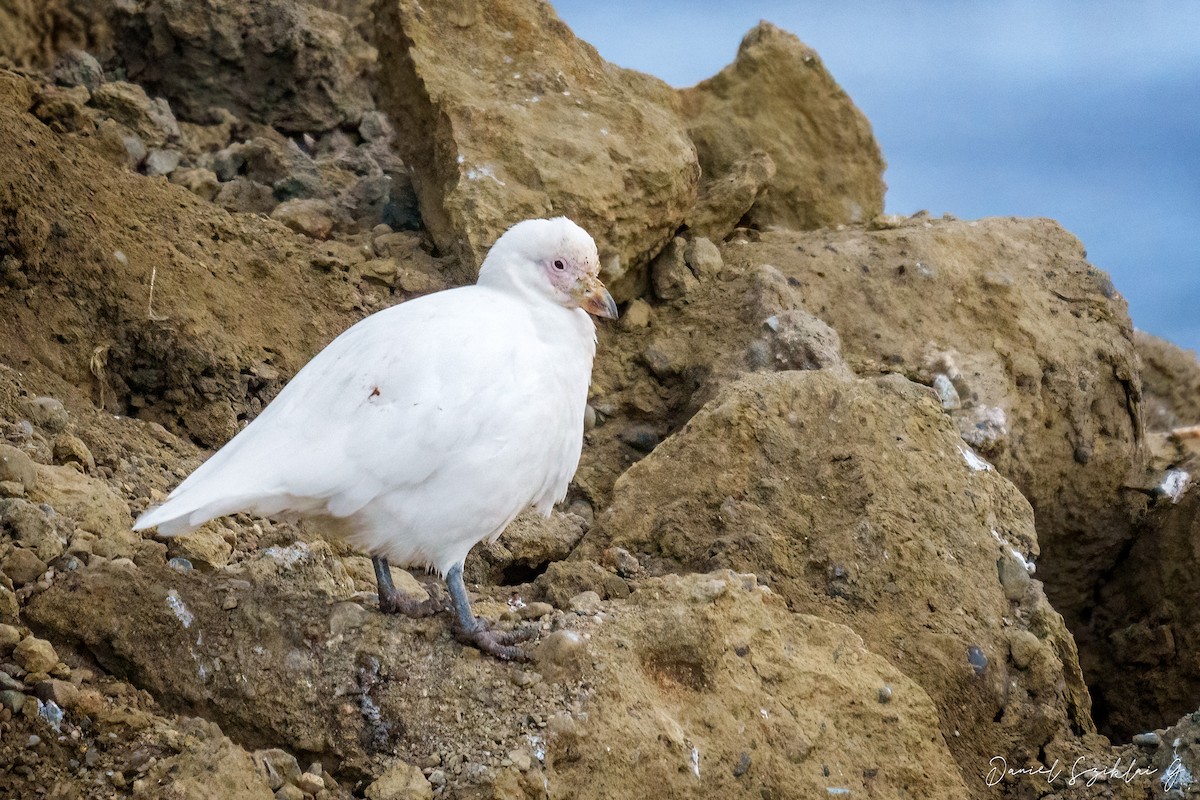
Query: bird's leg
[392, 602]
[473, 630]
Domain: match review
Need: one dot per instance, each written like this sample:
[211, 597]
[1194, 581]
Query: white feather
[423, 429]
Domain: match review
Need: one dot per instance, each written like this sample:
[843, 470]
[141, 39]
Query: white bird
[427, 427]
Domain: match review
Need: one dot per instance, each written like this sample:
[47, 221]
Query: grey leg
[473, 630]
[392, 602]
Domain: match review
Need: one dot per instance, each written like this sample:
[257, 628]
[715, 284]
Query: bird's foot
[500, 644]
[393, 602]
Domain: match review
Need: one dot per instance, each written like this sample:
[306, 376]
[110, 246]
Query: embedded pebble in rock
[670, 276]
[17, 467]
[561, 655]
[35, 655]
[947, 394]
[23, 566]
[801, 341]
[1014, 575]
[1024, 647]
[637, 315]
[161, 162]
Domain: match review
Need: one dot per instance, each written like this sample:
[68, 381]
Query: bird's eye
[559, 265]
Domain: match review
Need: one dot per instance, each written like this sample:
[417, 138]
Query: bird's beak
[595, 299]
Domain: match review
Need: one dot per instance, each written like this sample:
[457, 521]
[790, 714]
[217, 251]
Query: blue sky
[1086, 112]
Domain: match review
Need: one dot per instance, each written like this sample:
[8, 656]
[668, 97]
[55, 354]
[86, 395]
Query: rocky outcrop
[1170, 383]
[496, 132]
[857, 502]
[291, 66]
[777, 96]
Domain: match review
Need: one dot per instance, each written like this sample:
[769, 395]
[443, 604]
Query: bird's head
[551, 258]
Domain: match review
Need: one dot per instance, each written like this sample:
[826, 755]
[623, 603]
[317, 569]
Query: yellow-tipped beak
[595, 299]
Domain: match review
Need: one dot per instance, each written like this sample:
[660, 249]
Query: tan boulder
[778, 97]
[503, 114]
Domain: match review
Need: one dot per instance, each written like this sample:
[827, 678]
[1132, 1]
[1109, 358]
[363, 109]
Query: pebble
[703, 257]
[161, 162]
[9, 636]
[33, 741]
[637, 315]
[47, 413]
[14, 701]
[180, 564]
[885, 694]
[1024, 647]
[310, 783]
[17, 467]
[35, 655]
[977, 659]
[1150, 739]
[23, 566]
[289, 792]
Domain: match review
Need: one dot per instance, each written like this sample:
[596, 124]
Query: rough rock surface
[1170, 383]
[496, 132]
[857, 501]
[778, 97]
[289, 65]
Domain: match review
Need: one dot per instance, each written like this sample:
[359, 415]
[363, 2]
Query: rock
[92, 505]
[70, 449]
[47, 413]
[585, 603]
[529, 543]
[206, 764]
[1014, 575]
[670, 276]
[62, 693]
[17, 467]
[535, 610]
[401, 781]
[161, 162]
[35, 655]
[637, 315]
[63, 110]
[313, 218]
[288, 65]
[838, 493]
[777, 97]
[9, 636]
[199, 181]
[798, 340]
[726, 198]
[135, 150]
[243, 194]
[14, 701]
[535, 123]
[563, 580]
[205, 547]
[1170, 383]
[1049, 355]
[1024, 647]
[309, 783]
[77, 68]
[703, 257]
[23, 566]
[278, 766]
[289, 792]
[150, 119]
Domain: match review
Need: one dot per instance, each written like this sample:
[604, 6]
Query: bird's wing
[393, 400]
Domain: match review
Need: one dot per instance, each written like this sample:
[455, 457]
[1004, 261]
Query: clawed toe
[498, 644]
[396, 603]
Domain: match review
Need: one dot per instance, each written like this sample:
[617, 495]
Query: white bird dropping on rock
[427, 427]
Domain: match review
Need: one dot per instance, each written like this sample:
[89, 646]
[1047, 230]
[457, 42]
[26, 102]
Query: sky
[1085, 112]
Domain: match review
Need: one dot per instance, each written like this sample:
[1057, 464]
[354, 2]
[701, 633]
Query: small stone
[1024, 647]
[313, 218]
[520, 759]
[977, 659]
[128, 103]
[642, 438]
[117, 779]
[17, 467]
[310, 783]
[374, 126]
[1014, 576]
[402, 781]
[289, 792]
[589, 417]
[885, 694]
[561, 655]
[637, 315]
[801, 341]
[70, 449]
[161, 162]
[33, 741]
[135, 150]
[278, 766]
[180, 564]
[437, 777]
[23, 566]
[947, 394]
[1150, 740]
[669, 273]
[742, 766]
[77, 68]
[703, 257]
[63, 693]
[13, 700]
[11, 489]
[35, 655]
[585, 602]
[535, 610]
[9, 636]
[621, 560]
[230, 602]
